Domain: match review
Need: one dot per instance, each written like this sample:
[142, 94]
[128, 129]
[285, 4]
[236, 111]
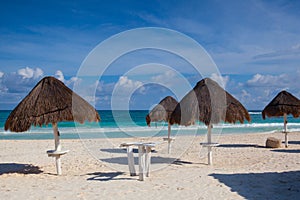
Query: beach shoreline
[242, 169]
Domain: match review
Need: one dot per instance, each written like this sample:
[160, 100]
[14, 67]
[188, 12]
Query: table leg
[148, 160]
[131, 161]
[141, 162]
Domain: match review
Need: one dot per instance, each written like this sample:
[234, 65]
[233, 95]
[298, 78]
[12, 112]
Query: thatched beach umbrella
[211, 104]
[162, 112]
[282, 105]
[50, 102]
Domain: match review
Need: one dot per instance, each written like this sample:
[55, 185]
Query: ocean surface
[118, 124]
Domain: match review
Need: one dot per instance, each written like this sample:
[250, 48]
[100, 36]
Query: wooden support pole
[169, 138]
[209, 148]
[285, 130]
[285, 122]
[56, 137]
[286, 140]
[57, 148]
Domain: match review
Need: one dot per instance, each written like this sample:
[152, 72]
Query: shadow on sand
[269, 185]
[8, 168]
[286, 150]
[117, 150]
[106, 176]
[293, 142]
[237, 145]
[181, 162]
[124, 160]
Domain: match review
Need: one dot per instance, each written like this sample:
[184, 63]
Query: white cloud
[28, 73]
[151, 19]
[221, 80]
[291, 52]
[104, 88]
[260, 89]
[15, 85]
[69, 82]
[127, 85]
[99, 86]
[123, 91]
[245, 94]
[296, 46]
[1, 74]
[59, 75]
[74, 79]
[173, 81]
[167, 78]
[282, 80]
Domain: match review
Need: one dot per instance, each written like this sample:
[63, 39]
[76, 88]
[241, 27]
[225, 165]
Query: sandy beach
[242, 169]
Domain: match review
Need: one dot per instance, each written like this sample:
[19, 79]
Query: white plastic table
[144, 158]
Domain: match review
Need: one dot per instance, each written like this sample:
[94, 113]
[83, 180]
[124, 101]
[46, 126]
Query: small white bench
[57, 155]
[53, 153]
[144, 158]
[209, 146]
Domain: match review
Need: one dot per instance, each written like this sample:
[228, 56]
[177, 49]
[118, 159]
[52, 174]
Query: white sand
[242, 169]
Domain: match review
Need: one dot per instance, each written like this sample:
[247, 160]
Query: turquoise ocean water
[118, 124]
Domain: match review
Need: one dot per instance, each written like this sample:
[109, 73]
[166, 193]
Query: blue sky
[255, 44]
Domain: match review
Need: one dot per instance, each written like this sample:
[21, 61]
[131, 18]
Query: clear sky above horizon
[254, 43]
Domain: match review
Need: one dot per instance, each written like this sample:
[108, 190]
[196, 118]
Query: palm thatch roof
[50, 101]
[162, 111]
[209, 103]
[283, 103]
